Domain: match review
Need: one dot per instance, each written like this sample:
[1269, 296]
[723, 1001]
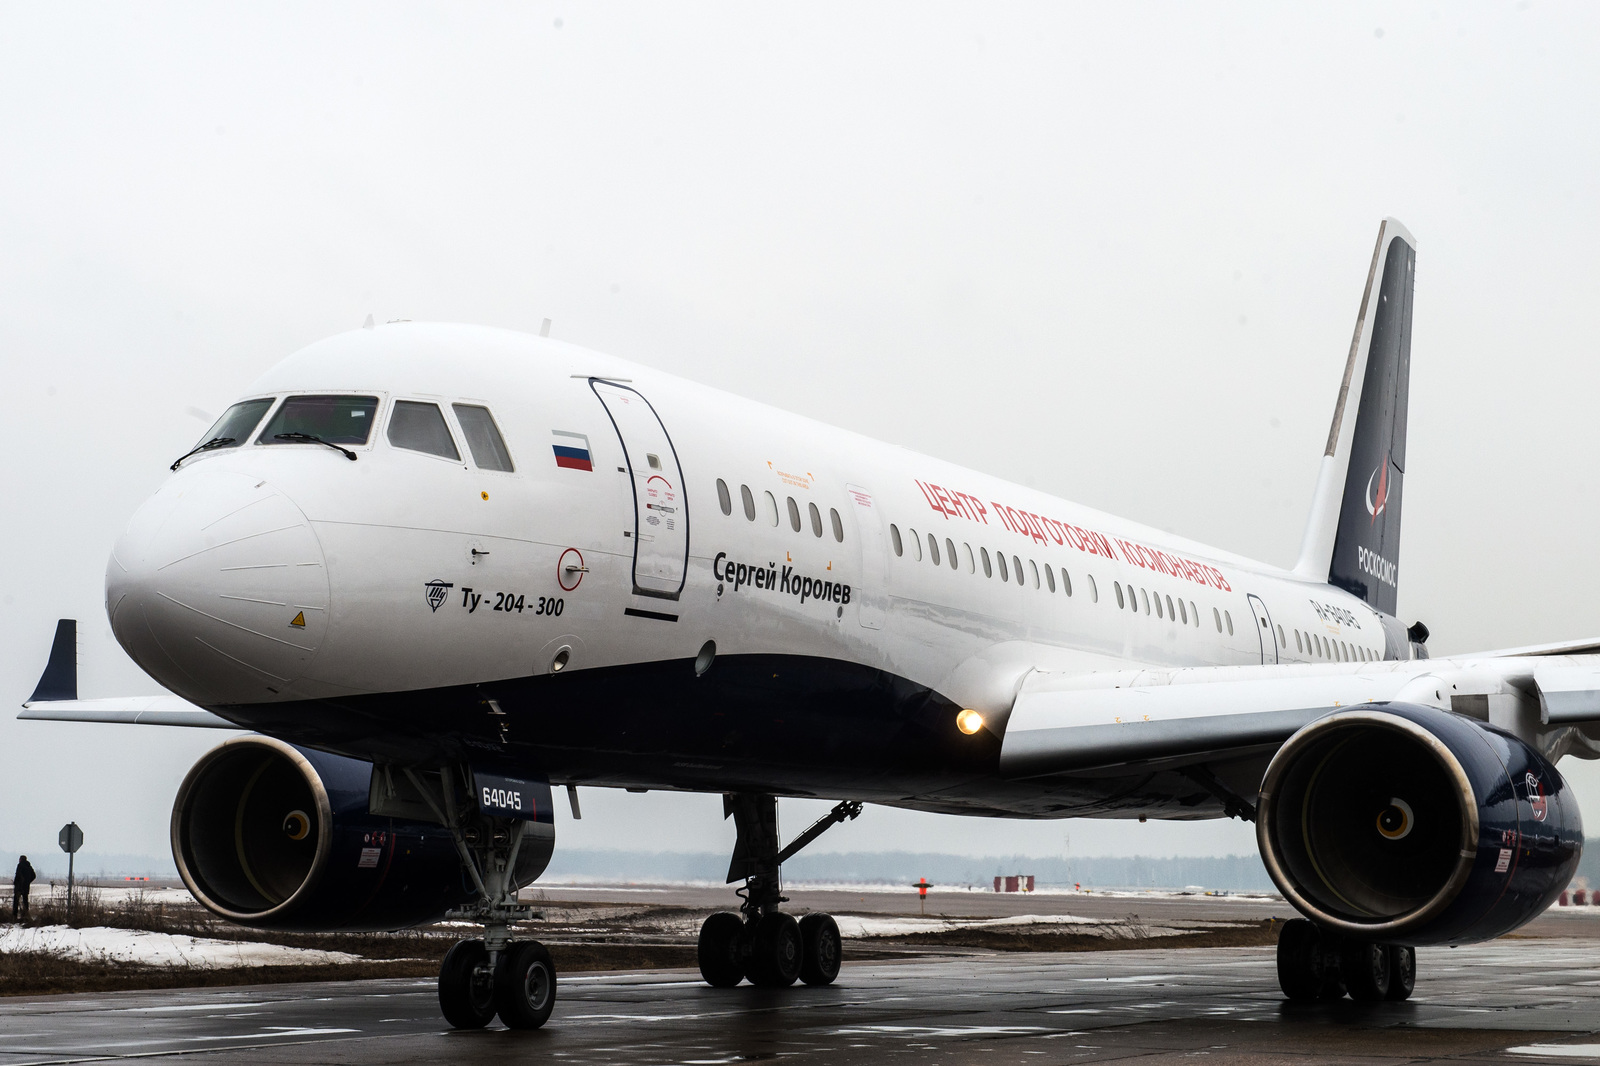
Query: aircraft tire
[525, 985]
[1299, 972]
[718, 950]
[466, 986]
[775, 951]
[1402, 972]
[1366, 970]
[820, 949]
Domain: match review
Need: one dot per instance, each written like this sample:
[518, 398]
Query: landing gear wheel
[820, 949]
[720, 963]
[1366, 970]
[775, 951]
[1402, 972]
[466, 986]
[1299, 974]
[525, 985]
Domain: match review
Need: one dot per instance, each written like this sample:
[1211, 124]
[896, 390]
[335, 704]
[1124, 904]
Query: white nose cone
[217, 588]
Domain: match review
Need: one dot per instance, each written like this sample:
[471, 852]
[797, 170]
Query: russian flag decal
[572, 450]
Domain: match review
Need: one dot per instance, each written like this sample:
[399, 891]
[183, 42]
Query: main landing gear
[495, 975]
[761, 942]
[1316, 964]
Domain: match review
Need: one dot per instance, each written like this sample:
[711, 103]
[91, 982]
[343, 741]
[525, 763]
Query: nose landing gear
[515, 979]
[761, 942]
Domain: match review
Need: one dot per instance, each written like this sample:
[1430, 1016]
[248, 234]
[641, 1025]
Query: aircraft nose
[218, 588]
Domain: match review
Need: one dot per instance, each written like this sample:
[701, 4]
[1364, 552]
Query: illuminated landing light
[969, 721]
[559, 663]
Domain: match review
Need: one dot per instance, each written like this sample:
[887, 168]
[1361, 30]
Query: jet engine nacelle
[272, 835]
[1404, 824]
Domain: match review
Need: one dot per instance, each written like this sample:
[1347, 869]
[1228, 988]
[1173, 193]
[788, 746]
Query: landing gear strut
[762, 942]
[495, 975]
[1316, 964]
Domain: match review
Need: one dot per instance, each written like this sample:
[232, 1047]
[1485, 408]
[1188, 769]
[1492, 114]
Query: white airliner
[438, 569]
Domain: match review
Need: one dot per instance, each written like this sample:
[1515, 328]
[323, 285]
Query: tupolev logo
[435, 591]
[1377, 500]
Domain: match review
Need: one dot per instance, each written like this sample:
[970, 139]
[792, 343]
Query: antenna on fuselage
[369, 323]
[544, 328]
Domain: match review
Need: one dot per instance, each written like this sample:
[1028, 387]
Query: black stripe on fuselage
[788, 724]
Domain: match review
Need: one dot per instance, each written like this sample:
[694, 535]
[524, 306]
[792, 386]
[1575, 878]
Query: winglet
[60, 678]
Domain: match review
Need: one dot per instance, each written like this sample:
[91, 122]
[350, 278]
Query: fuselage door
[1269, 641]
[872, 595]
[660, 507]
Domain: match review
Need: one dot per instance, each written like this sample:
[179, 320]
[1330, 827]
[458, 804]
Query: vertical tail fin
[1352, 539]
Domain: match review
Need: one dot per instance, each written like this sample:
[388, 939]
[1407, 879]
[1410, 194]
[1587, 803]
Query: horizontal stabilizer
[128, 710]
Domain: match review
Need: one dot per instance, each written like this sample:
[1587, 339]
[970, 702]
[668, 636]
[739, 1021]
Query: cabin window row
[769, 511]
[1182, 611]
[962, 557]
[1317, 646]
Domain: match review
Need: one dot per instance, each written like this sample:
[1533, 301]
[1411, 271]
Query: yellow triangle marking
[299, 620]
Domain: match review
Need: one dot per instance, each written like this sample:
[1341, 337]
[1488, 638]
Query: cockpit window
[236, 423]
[483, 437]
[419, 427]
[334, 419]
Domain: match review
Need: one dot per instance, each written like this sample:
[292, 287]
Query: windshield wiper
[312, 438]
[214, 442]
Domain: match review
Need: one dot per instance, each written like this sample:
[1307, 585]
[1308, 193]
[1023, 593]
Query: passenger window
[1016, 564]
[1066, 581]
[723, 499]
[1033, 570]
[950, 553]
[1284, 644]
[894, 535]
[1183, 614]
[794, 515]
[1297, 645]
[988, 571]
[1158, 607]
[749, 503]
[933, 549]
[967, 550]
[488, 448]
[1094, 590]
[838, 525]
[1194, 614]
[335, 419]
[653, 460]
[916, 545]
[1227, 617]
[1146, 597]
[1118, 586]
[1170, 615]
[772, 508]
[1050, 576]
[1216, 616]
[816, 521]
[236, 423]
[1000, 557]
[419, 427]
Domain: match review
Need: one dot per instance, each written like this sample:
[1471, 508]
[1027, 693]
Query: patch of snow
[101, 944]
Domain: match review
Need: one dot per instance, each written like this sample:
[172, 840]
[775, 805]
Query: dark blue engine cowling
[276, 836]
[1405, 824]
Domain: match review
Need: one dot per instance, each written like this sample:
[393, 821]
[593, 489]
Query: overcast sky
[1113, 251]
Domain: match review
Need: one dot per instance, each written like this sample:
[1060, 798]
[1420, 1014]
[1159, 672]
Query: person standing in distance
[20, 884]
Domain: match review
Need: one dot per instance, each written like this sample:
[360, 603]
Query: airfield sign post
[71, 840]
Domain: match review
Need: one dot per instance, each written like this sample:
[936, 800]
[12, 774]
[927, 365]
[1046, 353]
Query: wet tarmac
[1530, 1000]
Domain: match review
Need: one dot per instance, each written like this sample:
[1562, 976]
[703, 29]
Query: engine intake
[1408, 824]
[272, 835]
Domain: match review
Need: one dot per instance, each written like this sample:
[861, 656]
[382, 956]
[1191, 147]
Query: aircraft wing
[55, 699]
[1065, 723]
